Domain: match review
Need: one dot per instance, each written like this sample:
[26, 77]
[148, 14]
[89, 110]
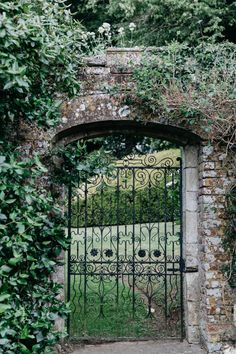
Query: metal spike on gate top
[125, 261]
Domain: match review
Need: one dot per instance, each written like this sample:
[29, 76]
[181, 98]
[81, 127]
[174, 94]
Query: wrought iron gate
[125, 265]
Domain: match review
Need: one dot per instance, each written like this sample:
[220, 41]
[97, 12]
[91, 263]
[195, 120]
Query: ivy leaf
[39, 337]
[4, 341]
[9, 85]
[2, 195]
[24, 349]
[4, 297]
[24, 333]
[14, 261]
[22, 83]
[21, 281]
[28, 199]
[5, 269]
[4, 307]
[2, 159]
[10, 201]
[21, 228]
[3, 217]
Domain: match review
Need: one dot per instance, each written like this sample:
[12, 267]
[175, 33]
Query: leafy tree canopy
[161, 21]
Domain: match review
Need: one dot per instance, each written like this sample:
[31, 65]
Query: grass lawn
[127, 240]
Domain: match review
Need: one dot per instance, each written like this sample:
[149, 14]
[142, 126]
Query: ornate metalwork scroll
[125, 262]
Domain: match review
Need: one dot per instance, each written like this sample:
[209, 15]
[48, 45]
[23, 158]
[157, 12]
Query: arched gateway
[205, 303]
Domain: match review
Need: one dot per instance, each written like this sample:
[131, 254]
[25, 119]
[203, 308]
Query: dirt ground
[148, 347]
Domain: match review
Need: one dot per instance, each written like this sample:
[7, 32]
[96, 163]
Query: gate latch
[188, 269]
[191, 269]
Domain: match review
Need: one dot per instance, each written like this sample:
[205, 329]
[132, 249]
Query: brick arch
[90, 128]
[94, 129]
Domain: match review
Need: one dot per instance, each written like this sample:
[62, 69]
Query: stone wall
[208, 299]
[100, 110]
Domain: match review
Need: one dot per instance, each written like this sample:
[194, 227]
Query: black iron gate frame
[178, 264]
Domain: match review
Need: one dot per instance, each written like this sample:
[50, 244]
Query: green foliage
[31, 238]
[121, 145]
[152, 204]
[40, 49]
[80, 160]
[191, 86]
[40, 46]
[162, 21]
[93, 156]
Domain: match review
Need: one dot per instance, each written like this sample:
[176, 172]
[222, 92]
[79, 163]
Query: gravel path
[149, 347]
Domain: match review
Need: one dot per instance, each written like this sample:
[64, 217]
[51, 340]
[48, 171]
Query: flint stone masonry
[100, 109]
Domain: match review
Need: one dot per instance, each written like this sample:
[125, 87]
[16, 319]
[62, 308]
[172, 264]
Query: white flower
[106, 26]
[121, 31]
[91, 34]
[84, 36]
[101, 30]
[132, 26]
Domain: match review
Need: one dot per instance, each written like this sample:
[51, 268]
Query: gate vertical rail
[69, 250]
[182, 262]
[133, 240]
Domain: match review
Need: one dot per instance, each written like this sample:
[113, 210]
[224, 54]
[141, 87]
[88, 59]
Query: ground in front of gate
[147, 347]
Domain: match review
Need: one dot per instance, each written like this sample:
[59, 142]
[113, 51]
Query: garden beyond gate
[125, 264]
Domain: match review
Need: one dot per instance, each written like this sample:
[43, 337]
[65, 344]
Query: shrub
[40, 49]
[31, 238]
[110, 207]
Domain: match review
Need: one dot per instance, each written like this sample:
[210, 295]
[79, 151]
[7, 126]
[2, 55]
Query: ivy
[40, 50]
[31, 239]
[40, 46]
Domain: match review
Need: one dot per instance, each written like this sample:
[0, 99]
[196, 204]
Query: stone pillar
[216, 323]
[190, 242]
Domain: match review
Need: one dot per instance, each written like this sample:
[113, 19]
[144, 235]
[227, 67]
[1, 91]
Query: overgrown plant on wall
[32, 237]
[40, 48]
[195, 88]
[192, 87]
[40, 51]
